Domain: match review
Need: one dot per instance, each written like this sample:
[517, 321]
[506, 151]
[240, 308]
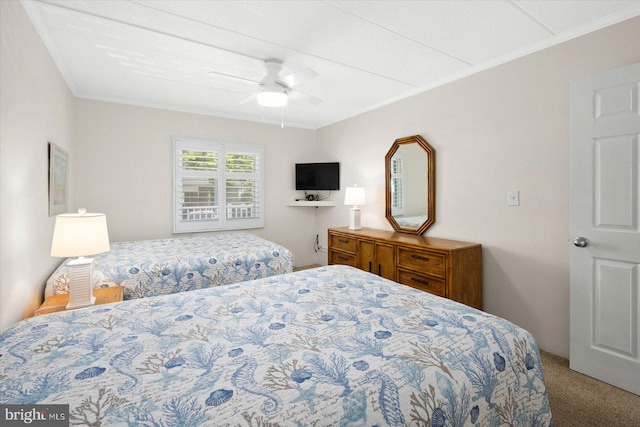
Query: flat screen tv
[317, 176]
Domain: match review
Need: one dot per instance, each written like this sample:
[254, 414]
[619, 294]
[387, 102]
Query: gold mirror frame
[430, 172]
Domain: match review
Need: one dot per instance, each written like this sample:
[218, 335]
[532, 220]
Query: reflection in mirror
[409, 185]
[410, 195]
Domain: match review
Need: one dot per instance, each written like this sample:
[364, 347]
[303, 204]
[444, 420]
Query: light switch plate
[513, 198]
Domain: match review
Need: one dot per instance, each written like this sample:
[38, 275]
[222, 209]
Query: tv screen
[317, 176]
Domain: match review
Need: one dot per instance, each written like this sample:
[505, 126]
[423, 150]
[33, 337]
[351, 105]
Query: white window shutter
[217, 186]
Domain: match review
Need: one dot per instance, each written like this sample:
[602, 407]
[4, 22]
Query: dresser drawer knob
[424, 282]
[344, 258]
[420, 257]
[343, 241]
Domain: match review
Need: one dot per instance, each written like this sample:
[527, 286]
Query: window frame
[397, 202]
[221, 222]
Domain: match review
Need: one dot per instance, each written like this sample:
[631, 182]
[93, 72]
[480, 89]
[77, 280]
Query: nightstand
[59, 302]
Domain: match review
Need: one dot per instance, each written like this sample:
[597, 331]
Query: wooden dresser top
[407, 239]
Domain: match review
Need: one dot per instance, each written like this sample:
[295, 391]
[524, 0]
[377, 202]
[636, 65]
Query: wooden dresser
[447, 268]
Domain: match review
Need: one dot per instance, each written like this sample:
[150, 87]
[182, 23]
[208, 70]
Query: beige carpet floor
[581, 401]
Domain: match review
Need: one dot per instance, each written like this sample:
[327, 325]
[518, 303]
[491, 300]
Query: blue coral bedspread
[157, 267]
[329, 346]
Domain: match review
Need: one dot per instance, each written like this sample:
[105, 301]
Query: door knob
[581, 242]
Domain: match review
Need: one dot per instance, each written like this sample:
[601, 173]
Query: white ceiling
[175, 54]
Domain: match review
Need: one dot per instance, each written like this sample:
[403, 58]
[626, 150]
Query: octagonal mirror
[410, 170]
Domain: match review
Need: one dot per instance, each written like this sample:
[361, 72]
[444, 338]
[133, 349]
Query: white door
[605, 229]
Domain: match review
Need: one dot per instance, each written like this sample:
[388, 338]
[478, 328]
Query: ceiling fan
[275, 90]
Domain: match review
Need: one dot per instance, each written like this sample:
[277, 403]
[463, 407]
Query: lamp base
[71, 306]
[80, 285]
[354, 219]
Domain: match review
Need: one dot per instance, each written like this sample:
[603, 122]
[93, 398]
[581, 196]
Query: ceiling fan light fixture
[272, 98]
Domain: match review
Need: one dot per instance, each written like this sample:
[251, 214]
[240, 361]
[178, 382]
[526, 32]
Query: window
[397, 186]
[217, 186]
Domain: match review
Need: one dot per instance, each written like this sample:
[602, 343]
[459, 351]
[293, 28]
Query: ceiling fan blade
[296, 95]
[242, 79]
[249, 99]
[294, 79]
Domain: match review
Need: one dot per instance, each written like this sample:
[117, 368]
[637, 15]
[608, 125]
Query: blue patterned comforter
[329, 346]
[157, 267]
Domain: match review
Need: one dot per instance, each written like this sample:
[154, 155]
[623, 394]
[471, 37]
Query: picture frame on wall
[58, 180]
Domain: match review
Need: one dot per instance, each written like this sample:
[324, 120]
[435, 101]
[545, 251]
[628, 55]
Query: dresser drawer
[341, 258]
[347, 244]
[423, 261]
[424, 283]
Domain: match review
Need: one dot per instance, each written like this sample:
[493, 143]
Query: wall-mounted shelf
[316, 204]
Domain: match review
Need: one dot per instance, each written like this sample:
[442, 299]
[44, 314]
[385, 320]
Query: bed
[163, 266]
[156, 267]
[327, 346]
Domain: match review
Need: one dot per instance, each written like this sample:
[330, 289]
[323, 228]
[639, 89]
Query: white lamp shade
[80, 234]
[272, 98]
[354, 196]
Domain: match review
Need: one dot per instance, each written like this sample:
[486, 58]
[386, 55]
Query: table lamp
[79, 235]
[354, 196]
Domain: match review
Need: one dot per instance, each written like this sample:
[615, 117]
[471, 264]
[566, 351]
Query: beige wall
[123, 168]
[35, 107]
[506, 128]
